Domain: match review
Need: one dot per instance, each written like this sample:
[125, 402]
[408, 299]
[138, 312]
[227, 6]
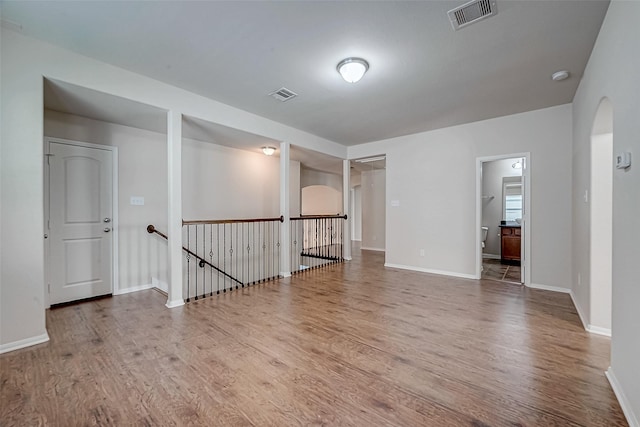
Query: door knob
[107, 220]
[107, 229]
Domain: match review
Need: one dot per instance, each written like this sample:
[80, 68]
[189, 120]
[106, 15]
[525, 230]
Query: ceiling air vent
[471, 12]
[283, 94]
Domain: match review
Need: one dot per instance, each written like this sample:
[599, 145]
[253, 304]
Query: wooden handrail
[231, 221]
[152, 229]
[301, 217]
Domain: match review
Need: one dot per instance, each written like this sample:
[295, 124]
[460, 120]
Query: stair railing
[316, 241]
[237, 252]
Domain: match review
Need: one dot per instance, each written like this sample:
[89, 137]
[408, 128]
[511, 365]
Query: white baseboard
[133, 289]
[27, 342]
[586, 325]
[431, 271]
[159, 284]
[372, 249]
[599, 330]
[582, 317]
[491, 256]
[549, 288]
[356, 240]
[174, 304]
[625, 404]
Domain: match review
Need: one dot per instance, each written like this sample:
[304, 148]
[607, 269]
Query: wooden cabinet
[510, 243]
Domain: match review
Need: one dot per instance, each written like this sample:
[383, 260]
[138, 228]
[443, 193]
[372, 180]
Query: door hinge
[48, 156]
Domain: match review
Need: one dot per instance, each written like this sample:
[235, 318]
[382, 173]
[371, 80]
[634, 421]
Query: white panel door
[80, 222]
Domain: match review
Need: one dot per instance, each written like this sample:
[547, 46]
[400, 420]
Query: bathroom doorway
[502, 218]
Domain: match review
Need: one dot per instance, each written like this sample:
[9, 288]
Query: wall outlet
[421, 252]
[136, 201]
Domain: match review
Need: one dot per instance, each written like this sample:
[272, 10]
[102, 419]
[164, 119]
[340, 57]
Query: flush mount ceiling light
[268, 150]
[352, 69]
[560, 75]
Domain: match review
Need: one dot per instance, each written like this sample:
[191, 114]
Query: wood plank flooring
[352, 344]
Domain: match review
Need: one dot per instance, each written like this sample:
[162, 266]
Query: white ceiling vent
[474, 11]
[283, 94]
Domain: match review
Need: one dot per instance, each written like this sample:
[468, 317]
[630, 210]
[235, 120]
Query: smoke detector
[469, 13]
[283, 94]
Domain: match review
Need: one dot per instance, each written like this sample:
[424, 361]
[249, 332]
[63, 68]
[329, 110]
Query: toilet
[485, 231]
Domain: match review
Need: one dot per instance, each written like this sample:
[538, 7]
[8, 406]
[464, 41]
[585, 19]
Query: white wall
[601, 230]
[321, 200]
[24, 62]
[141, 157]
[432, 175]
[356, 213]
[492, 208]
[612, 72]
[295, 191]
[313, 177]
[224, 183]
[373, 209]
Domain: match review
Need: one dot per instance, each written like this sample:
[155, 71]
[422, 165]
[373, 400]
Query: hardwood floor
[352, 344]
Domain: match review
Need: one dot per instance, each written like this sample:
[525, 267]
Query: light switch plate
[137, 201]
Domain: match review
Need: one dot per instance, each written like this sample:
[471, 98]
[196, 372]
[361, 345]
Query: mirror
[511, 198]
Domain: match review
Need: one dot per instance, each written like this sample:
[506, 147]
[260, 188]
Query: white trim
[587, 326]
[115, 223]
[579, 310]
[490, 256]
[549, 288]
[27, 342]
[632, 419]
[430, 271]
[160, 285]
[599, 330]
[174, 304]
[285, 274]
[526, 228]
[372, 249]
[133, 289]
[356, 240]
[347, 258]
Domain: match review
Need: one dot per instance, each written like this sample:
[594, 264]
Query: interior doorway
[81, 223]
[502, 218]
[601, 242]
[368, 181]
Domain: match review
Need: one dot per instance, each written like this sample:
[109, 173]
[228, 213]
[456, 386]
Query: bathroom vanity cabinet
[510, 243]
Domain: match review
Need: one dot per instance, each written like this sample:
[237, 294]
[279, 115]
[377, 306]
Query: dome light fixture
[560, 75]
[352, 69]
[268, 150]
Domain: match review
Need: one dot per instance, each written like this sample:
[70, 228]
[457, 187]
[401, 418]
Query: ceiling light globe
[268, 150]
[352, 69]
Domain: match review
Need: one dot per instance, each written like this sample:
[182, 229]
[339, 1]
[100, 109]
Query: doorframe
[526, 226]
[115, 283]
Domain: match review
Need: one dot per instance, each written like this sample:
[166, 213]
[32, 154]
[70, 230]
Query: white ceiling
[72, 99]
[422, 76]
